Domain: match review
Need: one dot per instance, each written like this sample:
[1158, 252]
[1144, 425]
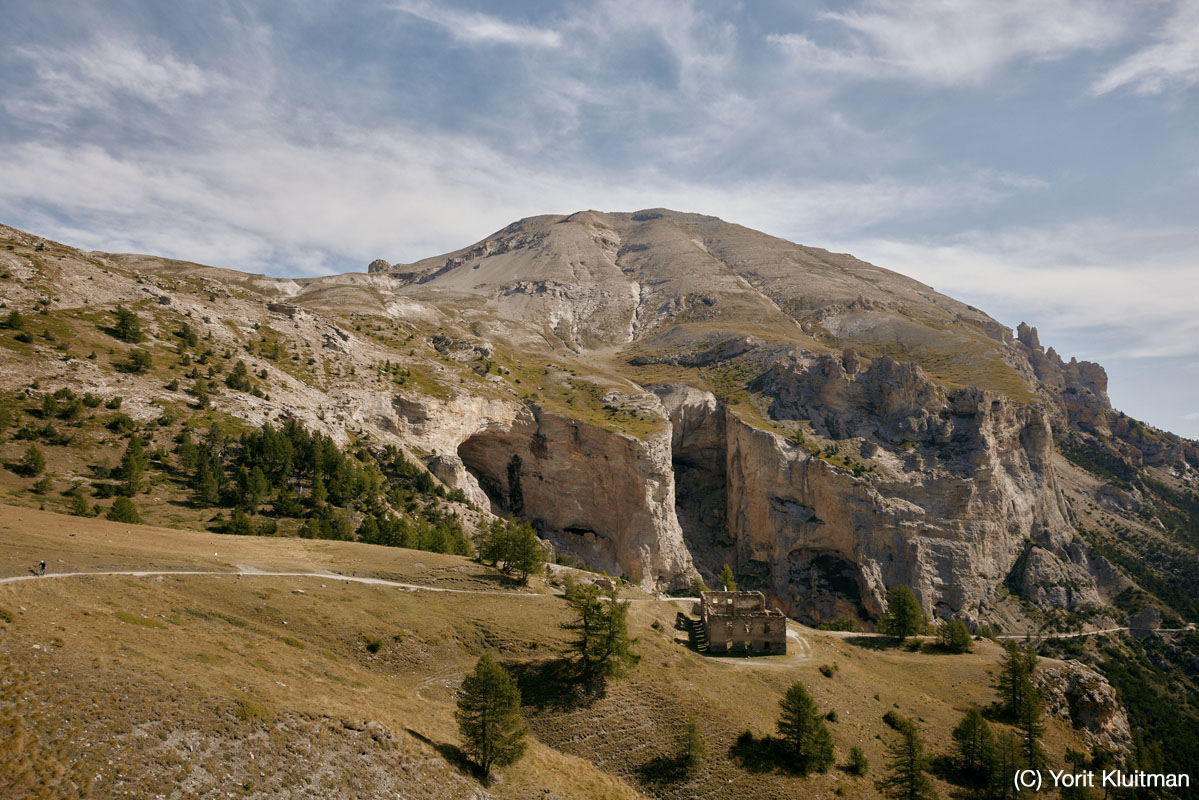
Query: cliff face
[599, 495]
[826, 427]
[950, 492]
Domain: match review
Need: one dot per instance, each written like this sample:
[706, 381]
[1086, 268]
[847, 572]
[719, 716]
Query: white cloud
[1171, 61]
[259, 199]
[956, 42]
[96, 76]
[1194, 415]
[1132, 287]
[478, 28]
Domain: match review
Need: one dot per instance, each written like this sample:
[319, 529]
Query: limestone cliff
[826, 427]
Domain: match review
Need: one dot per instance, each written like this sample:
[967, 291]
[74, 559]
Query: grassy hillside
[306, 686]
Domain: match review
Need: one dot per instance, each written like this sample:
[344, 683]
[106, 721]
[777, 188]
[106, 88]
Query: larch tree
[488, 714]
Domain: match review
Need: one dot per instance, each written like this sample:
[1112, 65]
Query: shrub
[895, 720]
[954, 636]
[123, 510]
[136, 362]
[32, 463]
[828, 670]
[857, 765]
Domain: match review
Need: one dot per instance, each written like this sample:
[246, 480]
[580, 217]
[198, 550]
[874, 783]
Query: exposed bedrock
[961, 498]
[603, 496]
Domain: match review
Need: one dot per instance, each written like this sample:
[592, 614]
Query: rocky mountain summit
[662, 393]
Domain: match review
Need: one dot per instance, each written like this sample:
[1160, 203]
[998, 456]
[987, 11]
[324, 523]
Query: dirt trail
[800, 652]
[252, 572]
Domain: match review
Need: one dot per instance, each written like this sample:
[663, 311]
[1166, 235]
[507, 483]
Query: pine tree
[907, 767]
[200, 391]
[123, 510]
[692, 750]
[1008, 759]
[603, 643]
[128, 327]
[975, 745]
[133, 466]
[497, 542]
[727, 579]
[904, 615]
[955, 637]
[527, 554]
[1029, 716]
[1018, 664]
[79, 506]
[488, 716]
[239, 524]
[32, 463]
[239, 378]
[207, 483]
[806, 742]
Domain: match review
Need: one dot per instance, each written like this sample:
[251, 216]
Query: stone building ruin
[740, 622]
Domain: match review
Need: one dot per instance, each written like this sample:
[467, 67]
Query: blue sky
[1037, 158]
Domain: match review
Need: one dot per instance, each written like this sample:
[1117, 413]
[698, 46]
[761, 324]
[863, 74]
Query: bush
[136, 362]
[123, 510]
[955, 637]
[828, 670]
[895, 720]
[32, 463]
[857, 765]
[844, 623]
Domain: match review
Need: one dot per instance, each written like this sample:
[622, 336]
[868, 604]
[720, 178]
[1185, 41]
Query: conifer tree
[488, 716]
[133, 466]
[603, 643]
[806, 742]
[1029, 717]
[975, 746]
[128, 327]
[904, 615]
[32, 463]
[727, 579]
[692, 750]
[955, 637]
[1018, 664]
[527, 554]
[123, 510]
[907, 767]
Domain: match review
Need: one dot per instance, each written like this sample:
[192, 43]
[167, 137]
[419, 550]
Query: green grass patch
[133, 619]
[290, 642]
[248, 710]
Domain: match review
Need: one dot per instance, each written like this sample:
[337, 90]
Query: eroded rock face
[952, 491]
[1080, 694]
[603, 496]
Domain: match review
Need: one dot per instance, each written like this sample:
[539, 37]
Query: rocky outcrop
[603, 496]
[1078, 693]
[958, 488]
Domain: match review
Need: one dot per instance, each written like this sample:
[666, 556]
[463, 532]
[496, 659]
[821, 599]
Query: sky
[1036, 158]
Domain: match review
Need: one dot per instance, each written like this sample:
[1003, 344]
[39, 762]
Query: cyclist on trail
[41, 568]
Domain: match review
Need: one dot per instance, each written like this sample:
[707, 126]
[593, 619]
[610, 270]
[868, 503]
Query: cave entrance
[492, 459]
[698, 456]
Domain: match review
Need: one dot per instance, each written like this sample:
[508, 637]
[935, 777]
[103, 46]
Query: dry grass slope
[264, 686]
